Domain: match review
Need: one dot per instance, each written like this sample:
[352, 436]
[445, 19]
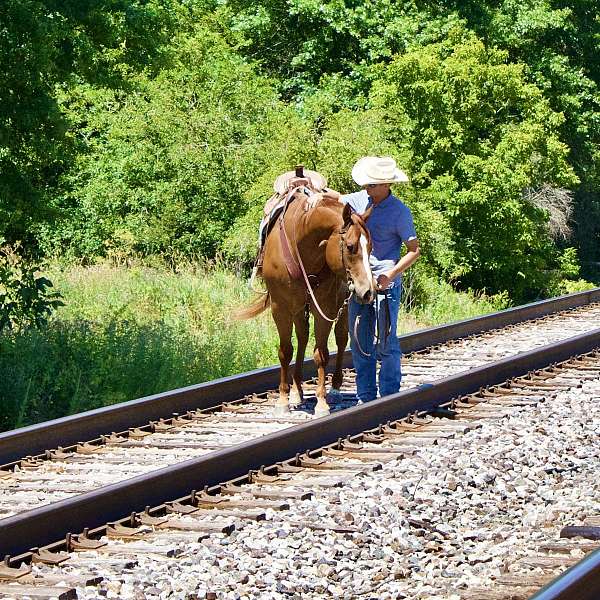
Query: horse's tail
[258, 306]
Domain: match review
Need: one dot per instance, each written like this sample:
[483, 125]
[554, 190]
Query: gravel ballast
[448, 518]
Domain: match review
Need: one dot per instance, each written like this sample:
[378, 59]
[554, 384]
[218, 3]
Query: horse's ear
[347, 214]
[367, 213]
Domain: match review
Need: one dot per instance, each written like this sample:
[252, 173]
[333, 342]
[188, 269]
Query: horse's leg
[341, 339]
[301, 327]
[321, 356]
[283, 321]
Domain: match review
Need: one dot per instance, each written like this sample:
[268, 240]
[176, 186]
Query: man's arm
[329, 194]
[413, 252]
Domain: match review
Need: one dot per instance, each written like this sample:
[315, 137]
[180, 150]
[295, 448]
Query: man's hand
[313, 200]
[383, 282]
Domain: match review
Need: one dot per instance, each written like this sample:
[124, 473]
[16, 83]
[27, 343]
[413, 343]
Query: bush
[26, 298]
[565, 279]
[432, 301]
[479, 135]
[128, 333]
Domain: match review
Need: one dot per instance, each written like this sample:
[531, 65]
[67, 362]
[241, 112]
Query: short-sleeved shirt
[390, 224]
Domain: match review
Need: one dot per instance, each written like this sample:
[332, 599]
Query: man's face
[378, 191]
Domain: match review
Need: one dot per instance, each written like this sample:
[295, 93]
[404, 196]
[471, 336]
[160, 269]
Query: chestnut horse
[321, 254]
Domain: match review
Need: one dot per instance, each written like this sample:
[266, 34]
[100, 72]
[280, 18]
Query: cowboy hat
[377, 169]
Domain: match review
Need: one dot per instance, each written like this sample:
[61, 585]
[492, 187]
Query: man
[390, 225]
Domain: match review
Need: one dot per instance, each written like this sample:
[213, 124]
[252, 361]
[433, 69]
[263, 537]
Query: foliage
[44, 45]
[29, 139]
[560, 42]
[26, 297]
[156, 127]
[127, 332]
[299, 41]
[311, 48]
[566, 279]
[431, 301]
[479, 135]
[290, 141]
[165, 169]
[569, 286]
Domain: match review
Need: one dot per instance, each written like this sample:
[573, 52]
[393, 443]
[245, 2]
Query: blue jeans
[386, 350]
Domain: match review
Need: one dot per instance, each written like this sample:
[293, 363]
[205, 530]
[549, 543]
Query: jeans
[386, 350]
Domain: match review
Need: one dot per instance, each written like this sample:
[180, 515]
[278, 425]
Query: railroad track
[441, 502]
[66, 469]
[251, 413]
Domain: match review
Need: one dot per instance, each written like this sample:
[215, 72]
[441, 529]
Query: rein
[386, 333]
[312, 296]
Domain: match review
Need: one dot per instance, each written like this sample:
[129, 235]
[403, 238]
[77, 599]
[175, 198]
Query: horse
[314, 258]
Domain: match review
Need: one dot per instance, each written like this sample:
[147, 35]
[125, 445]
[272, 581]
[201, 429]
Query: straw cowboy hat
[377, 169]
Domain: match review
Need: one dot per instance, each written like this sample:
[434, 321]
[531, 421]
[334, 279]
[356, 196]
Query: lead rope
[355, 335]
[377, 340]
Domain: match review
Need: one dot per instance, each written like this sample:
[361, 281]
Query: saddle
[309, 182]
[313, 181]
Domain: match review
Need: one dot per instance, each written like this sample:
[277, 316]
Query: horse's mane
[329, 203]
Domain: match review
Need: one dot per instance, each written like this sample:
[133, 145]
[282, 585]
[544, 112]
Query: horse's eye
[352, 248]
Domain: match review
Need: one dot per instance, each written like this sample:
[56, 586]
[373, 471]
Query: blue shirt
[390, 224]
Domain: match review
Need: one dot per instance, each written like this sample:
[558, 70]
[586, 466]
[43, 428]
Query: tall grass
[127, 332]
[429, 301]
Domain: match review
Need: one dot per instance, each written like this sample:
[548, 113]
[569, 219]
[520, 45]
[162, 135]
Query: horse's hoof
[280, 410]
[321, 412]
[295, 398]
[335, 395]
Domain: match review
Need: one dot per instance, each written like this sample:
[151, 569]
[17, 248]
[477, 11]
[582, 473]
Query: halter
[357, 220]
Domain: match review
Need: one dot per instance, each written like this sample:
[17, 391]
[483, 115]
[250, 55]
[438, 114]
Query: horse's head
[355, 247]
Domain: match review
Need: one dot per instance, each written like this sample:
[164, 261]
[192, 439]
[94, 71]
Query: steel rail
[579, 582]
[67, 431]
[52, 522]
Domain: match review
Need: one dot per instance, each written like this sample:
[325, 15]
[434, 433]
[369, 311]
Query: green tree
[559, 40]
[298, 41]
[480, 135]
[336, 49]
[31, 127]
[47, 44]
[164, 167]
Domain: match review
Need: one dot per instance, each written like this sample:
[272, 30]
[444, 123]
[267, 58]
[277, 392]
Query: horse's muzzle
[365, 298]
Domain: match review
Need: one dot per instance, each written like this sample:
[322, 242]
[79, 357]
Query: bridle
[355, 219]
